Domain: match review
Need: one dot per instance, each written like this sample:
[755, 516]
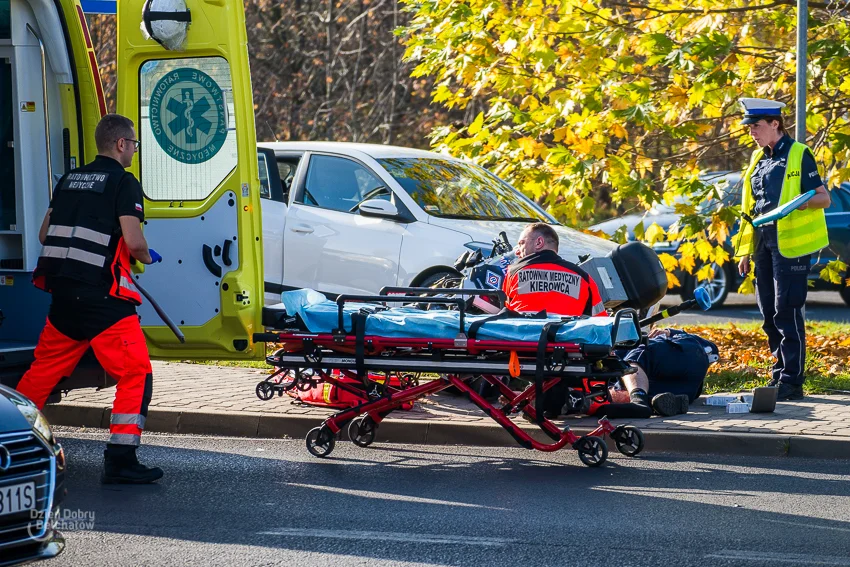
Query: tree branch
[720, 10]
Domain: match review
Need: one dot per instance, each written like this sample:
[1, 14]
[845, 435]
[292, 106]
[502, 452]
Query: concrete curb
[276, 426]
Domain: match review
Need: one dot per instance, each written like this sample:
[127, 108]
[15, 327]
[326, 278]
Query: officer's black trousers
[781, 287]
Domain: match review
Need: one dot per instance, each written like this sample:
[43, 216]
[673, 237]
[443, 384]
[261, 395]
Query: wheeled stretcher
[356, 337]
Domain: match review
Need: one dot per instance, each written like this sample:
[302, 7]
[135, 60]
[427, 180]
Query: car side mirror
[378, 208]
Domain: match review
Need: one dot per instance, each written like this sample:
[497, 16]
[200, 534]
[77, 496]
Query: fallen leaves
[745, 351]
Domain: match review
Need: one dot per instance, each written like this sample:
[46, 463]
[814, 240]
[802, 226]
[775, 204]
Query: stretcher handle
[497, 293]
[618, 316]
[343, 299]
[701, 299]
[669, 312]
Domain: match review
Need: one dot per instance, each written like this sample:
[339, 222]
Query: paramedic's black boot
[789, 392]
[668, 404]
[120, 466]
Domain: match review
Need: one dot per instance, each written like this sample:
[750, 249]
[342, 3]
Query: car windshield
[728, 185]
[456, 190]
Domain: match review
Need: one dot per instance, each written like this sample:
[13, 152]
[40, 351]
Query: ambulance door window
[187, 128]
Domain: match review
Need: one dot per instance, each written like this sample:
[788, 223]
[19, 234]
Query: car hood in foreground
[10, 418]
[573, 242]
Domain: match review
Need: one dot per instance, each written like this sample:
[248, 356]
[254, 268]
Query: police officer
[541, 280]
[780, 170]
[89, 234]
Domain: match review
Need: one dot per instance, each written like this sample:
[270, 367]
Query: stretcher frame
[544, 363]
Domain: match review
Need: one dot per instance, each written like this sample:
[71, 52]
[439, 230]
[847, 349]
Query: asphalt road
[234, 502]
[820, 306]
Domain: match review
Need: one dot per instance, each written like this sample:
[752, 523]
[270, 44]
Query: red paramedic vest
[84, 240]
[545, 281]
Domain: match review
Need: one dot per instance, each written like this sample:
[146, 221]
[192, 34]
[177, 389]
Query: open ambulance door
[188, 90]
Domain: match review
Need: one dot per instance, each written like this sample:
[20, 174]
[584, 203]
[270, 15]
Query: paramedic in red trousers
[89, 234]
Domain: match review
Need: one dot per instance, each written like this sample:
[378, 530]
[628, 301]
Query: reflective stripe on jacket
[545, 281]
[799, 233]
[84, 241]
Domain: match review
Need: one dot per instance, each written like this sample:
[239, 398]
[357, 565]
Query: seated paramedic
[540, 280]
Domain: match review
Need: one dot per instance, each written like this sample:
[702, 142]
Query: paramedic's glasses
[136, 143]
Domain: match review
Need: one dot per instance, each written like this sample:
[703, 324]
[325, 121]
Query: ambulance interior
[38, 100]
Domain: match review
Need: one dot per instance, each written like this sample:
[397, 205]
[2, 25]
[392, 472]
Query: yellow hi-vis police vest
[801, 232]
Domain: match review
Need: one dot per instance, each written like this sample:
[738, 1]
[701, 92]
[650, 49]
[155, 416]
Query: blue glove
[155, 257]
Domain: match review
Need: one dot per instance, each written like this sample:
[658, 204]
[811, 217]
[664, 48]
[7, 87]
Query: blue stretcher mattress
[322, 316]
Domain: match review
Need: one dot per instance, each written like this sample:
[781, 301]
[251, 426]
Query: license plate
[17, 498]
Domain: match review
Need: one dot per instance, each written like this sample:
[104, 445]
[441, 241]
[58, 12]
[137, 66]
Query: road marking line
[805, 525]
[392, 536]
[388, 496]
[766, 556]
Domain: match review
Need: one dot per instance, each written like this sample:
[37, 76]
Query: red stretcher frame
[319, 351]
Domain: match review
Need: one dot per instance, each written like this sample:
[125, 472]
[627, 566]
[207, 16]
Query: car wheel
[718, 288]
[845, 294]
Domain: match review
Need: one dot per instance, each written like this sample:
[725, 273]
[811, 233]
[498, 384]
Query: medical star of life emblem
[188, 116]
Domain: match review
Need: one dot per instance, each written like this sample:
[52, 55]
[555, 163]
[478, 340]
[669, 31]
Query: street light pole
[802, 59]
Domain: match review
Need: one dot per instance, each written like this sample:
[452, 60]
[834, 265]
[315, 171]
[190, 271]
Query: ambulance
[183, 78]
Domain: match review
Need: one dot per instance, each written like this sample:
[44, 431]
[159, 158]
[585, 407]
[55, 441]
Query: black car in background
[726, 278]
[32, 482]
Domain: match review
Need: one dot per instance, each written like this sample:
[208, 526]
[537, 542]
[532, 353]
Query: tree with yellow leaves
[621, 102]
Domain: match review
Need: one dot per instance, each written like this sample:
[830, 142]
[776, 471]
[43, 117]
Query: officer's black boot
[789, 392]
[120, 466]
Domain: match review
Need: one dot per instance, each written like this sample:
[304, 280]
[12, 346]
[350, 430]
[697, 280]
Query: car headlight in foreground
[36, 420]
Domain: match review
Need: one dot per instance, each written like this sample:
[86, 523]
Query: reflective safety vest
[545, 281]
[84, 240]
[799, 233]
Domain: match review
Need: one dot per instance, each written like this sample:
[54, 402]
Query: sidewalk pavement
[211, 400]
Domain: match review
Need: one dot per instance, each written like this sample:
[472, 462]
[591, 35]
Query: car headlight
[36, 420]
[485, 247]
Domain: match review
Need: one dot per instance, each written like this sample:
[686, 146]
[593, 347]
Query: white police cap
[756, 109]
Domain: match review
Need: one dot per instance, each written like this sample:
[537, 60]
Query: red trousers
[123, 353]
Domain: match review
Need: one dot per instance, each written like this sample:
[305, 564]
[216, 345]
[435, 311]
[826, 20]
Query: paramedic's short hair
[110, 129]
[547, 232]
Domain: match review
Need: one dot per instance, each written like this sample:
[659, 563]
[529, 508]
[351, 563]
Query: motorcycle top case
[630, 276]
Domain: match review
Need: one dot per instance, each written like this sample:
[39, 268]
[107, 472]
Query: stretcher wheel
[592, 450]
[408, 381]
[629, 440]
[320, 441]
[265, 391]
[362, 431]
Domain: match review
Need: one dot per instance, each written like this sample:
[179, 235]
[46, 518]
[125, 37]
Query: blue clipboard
[784, 210]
